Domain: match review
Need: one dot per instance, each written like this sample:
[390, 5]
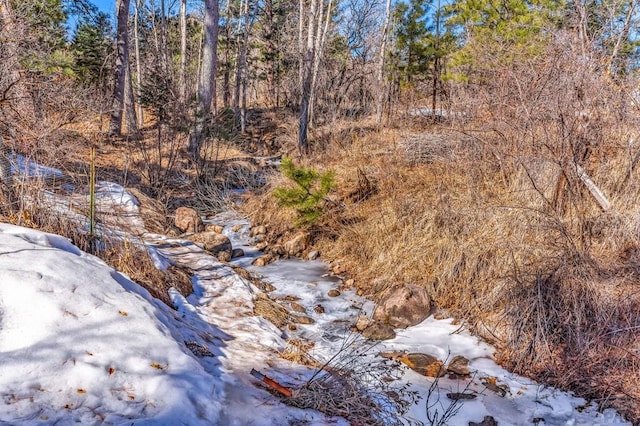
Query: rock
[319, 309]
[297, 307]
[237, 253]
[187, 219]
[379, 331]
[461, 396]
[349, 283]
[459, 365]
[302, 319]
[276, 249]
[313, 255]
[297, 244]
[258, 239]
[261, 246]
[491, 383]
[214, 228]
[257, 230]
[263, 260]
[293, 327]
[236, 228]
[395, 355]
[334, 292]
[338, 269]
[213, 242]
[224, 256]
[362, 322]
[487, 421]
[404, 306]
[424, 364]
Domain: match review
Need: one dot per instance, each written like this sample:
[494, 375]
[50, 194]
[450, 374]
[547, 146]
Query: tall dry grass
[495, 221]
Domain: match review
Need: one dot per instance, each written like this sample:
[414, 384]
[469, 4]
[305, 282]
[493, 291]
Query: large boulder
[404, 306]
[188, 220]
[217, 244]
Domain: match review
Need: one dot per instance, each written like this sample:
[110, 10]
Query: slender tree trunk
[320, 42]
[130, 110]
[381, 62]
[301, 50]
[183, 50]
[303, 143]
[121, 66]
[207, 78]
[436, 66]
[138, 62]
[624, 33]
[241, 72]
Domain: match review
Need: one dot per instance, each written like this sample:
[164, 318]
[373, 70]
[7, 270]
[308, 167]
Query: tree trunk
[7, 195]
[183, 50]
[381, 62]
[207, 78]
[121, 66]
[241, 75]
[138, 63]
[436, 66]
[321, 38]
[303, 142]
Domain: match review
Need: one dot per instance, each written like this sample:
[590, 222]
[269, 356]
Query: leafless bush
[357, 385]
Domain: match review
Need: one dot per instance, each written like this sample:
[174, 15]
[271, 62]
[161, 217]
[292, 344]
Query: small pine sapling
[307, 197]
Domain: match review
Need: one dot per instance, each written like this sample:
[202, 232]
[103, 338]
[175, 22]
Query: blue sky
[107, 6]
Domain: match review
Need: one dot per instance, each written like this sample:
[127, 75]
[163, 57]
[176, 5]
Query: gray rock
[487, 421]
[214, 243]
[459, 365]
[379, 331]
[237, 253]
[313, 255]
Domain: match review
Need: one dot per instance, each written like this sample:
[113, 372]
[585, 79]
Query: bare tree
[381, 62]
[303, 142]
[183, 50]
[207, 77]
[121, 70]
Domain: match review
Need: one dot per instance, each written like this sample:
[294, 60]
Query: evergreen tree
[91, 47]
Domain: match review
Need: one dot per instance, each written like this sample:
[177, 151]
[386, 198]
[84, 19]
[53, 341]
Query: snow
[78, 346]
[82, 343]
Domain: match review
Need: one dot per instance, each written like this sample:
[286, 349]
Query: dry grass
[354, 384]
[486, 223]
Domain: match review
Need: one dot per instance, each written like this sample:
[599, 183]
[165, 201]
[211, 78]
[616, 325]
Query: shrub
[308, 196]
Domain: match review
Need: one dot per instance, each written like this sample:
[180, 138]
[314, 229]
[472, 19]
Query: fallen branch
[271, 383]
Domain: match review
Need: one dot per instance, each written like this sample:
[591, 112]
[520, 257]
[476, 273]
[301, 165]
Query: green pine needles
[307, 197]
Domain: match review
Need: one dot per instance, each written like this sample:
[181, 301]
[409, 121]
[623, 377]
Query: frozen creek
[203, 352]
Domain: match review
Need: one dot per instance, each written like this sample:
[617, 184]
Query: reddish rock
[424, 364]
[404, 306]
[187, 219]
[296, 245]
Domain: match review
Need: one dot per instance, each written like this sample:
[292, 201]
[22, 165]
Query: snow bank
[77, 346]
